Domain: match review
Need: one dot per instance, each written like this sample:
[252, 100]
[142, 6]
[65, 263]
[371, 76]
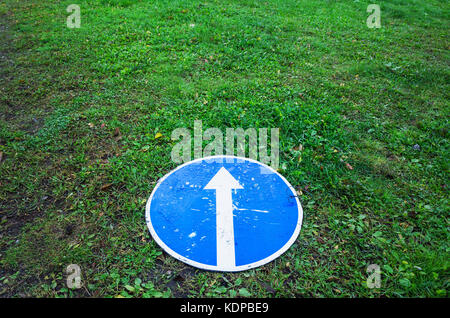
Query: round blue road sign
[224, 213]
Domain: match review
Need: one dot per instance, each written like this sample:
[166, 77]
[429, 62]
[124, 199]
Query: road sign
[224, 213]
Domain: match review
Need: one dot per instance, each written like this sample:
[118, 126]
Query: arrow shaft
[225, 229]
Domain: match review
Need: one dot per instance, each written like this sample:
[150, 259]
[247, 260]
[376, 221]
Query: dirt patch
[18, 98]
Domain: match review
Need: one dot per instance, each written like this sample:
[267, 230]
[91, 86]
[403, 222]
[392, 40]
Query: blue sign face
[224, 213]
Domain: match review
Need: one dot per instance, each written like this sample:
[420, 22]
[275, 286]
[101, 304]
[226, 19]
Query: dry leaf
[298, 148]
[106, 186]
[349, 167]
[1, 156]
[116, 132]
[158, 135]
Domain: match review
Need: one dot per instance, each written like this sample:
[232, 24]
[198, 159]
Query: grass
[80, 109]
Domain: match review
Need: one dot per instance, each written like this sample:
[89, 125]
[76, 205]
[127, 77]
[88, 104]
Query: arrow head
[223, 180]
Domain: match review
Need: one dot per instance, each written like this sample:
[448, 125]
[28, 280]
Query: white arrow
[223, 182]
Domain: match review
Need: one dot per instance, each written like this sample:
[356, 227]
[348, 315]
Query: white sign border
[264, 261]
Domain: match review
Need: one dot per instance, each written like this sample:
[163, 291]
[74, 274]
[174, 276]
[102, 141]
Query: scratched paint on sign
[224, 214]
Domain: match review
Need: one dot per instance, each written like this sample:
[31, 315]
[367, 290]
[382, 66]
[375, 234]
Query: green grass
[80, 108]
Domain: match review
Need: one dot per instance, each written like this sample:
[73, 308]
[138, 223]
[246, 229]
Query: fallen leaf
[332, 278]
[91, 125]
[158, 135]
[1, 156]
[116, 132]
[349, 167]
[298, 148]
[106, 186]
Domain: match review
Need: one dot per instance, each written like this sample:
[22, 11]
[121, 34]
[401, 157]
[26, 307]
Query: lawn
[86, 117]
